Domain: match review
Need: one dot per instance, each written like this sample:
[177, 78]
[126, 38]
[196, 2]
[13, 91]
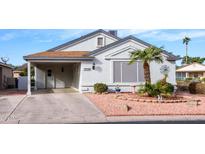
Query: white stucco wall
[90, 44]
[104, 68]
[68, 78]
[157, 75]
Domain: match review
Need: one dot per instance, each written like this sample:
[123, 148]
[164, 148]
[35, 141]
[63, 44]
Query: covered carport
[56, 75]
[56, 69]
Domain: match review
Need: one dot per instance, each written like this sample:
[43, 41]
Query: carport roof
[59, 54]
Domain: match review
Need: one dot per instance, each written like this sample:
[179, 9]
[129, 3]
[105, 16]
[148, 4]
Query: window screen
[181, 75]
[100, 41]
[123, 72]
[117, 71]
[140, 72]
[129, 72]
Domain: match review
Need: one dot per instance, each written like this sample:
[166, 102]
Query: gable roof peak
[70, 43]
[171, 57]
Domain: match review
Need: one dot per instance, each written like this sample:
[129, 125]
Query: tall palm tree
[186, 42]
[147, 55]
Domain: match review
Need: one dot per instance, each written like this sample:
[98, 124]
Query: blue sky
[17, 43]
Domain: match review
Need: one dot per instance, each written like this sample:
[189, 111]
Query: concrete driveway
[62, 108]
[49, 108]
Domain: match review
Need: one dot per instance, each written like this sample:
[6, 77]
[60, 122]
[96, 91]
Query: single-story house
[98, 57]
[194, 70]
[5, 75]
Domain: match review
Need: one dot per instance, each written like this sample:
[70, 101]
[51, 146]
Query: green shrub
[150, 89]
[164, 87]
[183, 85]
[203, 79]
[160, 88]
[100, 87]
[192, 88]
[189, 79]
[197, 88]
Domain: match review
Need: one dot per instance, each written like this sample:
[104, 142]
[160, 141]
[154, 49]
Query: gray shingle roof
[171, 56]
[82, 38]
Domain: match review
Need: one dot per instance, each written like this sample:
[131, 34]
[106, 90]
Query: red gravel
[111, 106]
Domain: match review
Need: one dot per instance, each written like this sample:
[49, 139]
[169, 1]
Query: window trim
[112, 72]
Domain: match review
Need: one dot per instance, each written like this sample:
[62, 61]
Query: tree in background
[190, 60]
[186, 42]
[24, 72]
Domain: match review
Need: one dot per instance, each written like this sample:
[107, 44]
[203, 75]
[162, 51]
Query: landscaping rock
[193, 103]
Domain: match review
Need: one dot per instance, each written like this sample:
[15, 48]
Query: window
[49, 72]
[123, 72]
[180, 75]
[100, 41]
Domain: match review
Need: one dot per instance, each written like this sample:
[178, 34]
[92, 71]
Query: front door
[50, 79]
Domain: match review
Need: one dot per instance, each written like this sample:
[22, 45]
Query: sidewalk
[185, 119]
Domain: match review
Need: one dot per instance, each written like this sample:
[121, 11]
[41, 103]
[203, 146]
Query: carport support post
[35, 71]
[29, 78]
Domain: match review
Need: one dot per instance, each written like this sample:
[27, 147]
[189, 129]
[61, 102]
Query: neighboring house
[19, 70]
[194, 70]
[99, 56]
[16, 74]
[5, 75]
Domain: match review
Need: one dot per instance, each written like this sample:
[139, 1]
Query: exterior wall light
[93, 67]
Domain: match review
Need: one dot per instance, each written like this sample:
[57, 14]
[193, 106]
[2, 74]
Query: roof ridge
[83, 37]
[171, 56]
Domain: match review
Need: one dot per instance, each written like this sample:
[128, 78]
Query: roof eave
[5, 65]
[57, 58]
[98, 51]
[174, 59]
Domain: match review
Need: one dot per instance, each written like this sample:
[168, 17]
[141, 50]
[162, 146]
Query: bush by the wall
[160, 88]
[203, 79]
[188, 79]
[197, 88]
[100, 87]
[164, 87]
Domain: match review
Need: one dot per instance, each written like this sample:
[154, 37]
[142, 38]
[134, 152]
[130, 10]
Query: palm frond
[186, 40]
[149, 54]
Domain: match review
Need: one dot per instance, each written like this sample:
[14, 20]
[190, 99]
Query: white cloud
[67, 34]
[45, 41]
[126, 32]
[7, 37]
[170, 36]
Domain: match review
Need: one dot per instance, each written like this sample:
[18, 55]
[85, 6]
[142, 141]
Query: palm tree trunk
[147, 72]
[186, 53]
